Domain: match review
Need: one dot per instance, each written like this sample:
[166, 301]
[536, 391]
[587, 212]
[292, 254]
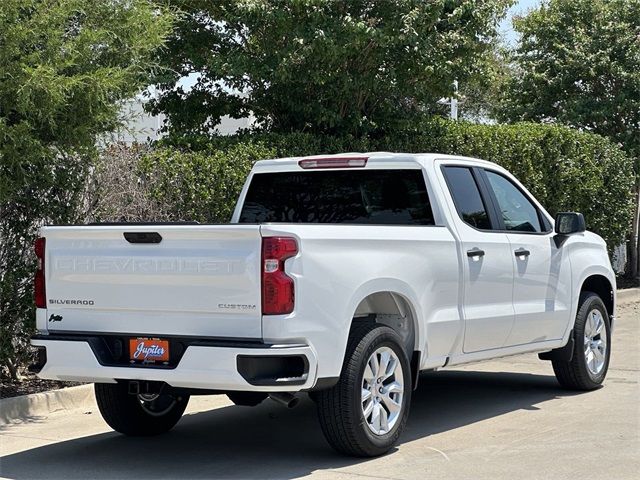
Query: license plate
[148, 350]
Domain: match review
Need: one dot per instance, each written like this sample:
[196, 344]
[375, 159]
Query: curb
[27, 407]
[628, 295]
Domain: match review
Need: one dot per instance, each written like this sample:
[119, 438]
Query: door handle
[521, 252]
[475, 252]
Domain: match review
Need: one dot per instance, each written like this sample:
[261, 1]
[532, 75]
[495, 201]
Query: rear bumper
[254, 367]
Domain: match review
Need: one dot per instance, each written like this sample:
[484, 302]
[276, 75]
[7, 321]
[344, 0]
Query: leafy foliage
[578, 63]
[64, 67]
[200, 186]
[322, 66]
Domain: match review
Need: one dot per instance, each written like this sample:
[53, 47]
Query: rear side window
[466, 197]
[383, 197]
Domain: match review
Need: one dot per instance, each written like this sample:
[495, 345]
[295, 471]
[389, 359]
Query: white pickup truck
[342, 276]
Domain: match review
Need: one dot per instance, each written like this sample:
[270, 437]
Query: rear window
[383, 197]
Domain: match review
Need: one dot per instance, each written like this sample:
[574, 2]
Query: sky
[519, 8]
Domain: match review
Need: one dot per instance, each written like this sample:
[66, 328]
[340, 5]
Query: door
[542, 276]
[487, 265]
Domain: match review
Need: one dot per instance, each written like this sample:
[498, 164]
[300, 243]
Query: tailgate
[201, 280]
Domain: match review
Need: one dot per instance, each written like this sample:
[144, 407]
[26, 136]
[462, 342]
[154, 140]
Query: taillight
[39, 291]
[277, 286]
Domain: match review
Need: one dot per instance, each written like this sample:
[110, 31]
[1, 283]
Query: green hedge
[200, 186]
[567, 170]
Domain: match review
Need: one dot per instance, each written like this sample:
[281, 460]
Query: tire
[341, 408]
[313, 395]
[247, 399]
[126, 414]
[579, 373]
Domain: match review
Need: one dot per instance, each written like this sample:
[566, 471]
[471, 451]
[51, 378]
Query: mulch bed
[624, 282]
[30, 384]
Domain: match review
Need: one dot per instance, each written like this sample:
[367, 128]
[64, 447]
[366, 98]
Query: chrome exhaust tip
[284, 398]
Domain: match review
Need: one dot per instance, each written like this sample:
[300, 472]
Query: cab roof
[373, 159]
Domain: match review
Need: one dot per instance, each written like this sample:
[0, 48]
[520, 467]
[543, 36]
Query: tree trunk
[636, 228]
[634, 250]
[12, 367]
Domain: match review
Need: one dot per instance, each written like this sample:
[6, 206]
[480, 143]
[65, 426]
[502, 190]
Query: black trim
[488, 197]
[273, 370]
[563, 354]
[324, 383]
[154, 386]
[559, 240]
[415, 368]
[142, 237]
[41, 359]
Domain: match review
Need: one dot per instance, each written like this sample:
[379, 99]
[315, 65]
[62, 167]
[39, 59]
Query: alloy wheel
[382, 391]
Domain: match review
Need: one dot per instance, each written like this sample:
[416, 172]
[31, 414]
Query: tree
[321, 66]
[479, 96]
[578, 63]
[65, 65]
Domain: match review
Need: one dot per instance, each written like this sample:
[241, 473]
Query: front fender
[588, 256]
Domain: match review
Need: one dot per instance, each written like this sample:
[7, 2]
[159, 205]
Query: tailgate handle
[142, 237]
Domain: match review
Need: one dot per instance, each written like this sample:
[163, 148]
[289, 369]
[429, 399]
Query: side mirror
[569, 222]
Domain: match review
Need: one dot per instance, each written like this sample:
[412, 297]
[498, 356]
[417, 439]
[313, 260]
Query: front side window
[383, 197]
[466, 197]
[518, 213]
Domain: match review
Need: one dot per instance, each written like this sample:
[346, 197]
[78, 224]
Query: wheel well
[392, 310]
[601, 286]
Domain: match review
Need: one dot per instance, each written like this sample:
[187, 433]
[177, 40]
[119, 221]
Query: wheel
[365, 412]
[247, 399]
[592, 347]
[138, 415]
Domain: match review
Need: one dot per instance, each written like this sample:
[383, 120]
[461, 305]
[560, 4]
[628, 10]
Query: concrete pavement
[505, 418]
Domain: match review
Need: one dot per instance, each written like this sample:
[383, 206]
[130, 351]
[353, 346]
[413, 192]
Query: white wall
[142, 127]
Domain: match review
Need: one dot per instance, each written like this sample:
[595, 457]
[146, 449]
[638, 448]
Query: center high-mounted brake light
[333, 162]
[277, 286]
[39, 293]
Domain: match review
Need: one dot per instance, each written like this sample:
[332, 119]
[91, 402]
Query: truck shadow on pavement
[270, 441]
